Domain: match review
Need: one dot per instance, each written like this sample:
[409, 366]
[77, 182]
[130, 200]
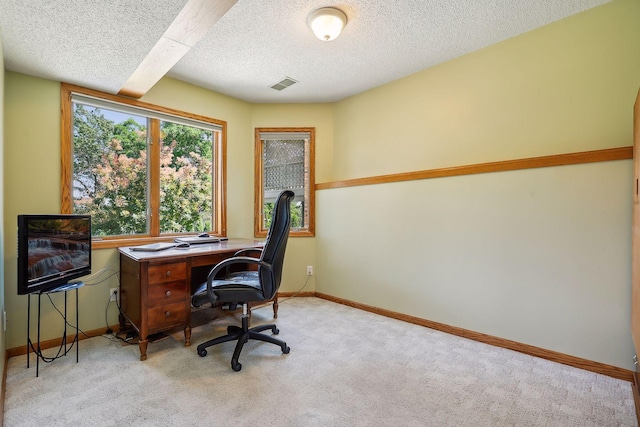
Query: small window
[140, 171]
[285, 161]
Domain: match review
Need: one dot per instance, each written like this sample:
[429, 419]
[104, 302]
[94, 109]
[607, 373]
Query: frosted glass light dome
[327, 23]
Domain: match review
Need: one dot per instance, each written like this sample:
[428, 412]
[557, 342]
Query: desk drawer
[164, 293]
[167, 272]
[167, 315]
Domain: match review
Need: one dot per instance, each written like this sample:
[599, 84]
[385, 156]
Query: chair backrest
[275, 245]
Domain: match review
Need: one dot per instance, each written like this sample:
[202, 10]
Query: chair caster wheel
[286, 350]
[236, 366]
[275, 331]
[202, 353]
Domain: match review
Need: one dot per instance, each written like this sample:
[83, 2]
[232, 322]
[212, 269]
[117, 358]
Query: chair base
[243, 335]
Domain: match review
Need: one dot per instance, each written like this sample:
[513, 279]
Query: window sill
[301, 233]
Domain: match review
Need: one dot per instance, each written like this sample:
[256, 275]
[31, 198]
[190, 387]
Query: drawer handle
[168, 273]
[168, 293]
[167, 313]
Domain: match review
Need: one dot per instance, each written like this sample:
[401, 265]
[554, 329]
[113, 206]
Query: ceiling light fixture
[327, 23]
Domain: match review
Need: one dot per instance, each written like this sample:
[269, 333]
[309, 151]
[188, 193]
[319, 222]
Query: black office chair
[224, 286]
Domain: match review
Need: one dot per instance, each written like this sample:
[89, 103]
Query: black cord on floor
[65, 320]
[126, 336]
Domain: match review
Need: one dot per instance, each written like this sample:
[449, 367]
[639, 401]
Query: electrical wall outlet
[114, 294]
[309, 270]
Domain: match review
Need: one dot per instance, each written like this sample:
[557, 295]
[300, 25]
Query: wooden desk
[156, 287]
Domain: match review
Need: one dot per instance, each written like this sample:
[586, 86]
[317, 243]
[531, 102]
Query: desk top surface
[201, 249]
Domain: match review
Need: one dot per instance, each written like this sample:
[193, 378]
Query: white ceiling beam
[192, 23]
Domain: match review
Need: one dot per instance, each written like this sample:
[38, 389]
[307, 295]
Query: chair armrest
[236, 260]
[228, 262]
[248, 250]
[257, 252]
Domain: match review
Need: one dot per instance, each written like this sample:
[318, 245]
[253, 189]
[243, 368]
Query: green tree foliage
[188, 142]
[110, 175]
[297, 215]
[132, 136]
[185, 191]
[91, 135]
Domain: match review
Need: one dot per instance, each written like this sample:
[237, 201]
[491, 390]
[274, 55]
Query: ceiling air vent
[284, 83]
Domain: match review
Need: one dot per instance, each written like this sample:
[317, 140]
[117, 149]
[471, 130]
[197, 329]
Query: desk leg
[143, 340]
[187, 336]
[143, 343]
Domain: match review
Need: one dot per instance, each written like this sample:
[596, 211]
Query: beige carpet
[347, 367]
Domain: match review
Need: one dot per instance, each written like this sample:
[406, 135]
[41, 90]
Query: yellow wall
[32, 181]
[301, 251]
[33, 169]
[541, 256]
[565, 87]
[2, 234]
[237, 114]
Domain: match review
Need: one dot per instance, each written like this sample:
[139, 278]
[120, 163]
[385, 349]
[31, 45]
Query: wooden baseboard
[577, 362]
[4, 388]
[636, 395]
[18, 351]
[588, 365]
[296, 294]
[56, 342]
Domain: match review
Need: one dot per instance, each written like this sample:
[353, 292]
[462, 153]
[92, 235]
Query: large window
[285, 161]
[141, 171]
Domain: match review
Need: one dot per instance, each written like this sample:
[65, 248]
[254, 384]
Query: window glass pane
[186, 178]
[140, 170]
[285, 167]
[110, 170]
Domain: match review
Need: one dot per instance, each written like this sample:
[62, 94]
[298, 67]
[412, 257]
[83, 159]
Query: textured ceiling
[98, 44]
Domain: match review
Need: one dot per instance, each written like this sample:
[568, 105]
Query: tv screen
[52, 250]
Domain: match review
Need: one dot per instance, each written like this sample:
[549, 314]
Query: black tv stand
[63, 345]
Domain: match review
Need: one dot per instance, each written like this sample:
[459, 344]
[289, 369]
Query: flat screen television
[52, 250]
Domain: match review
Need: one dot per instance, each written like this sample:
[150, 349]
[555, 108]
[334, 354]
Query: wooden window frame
[219, 178]
[259, 230]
